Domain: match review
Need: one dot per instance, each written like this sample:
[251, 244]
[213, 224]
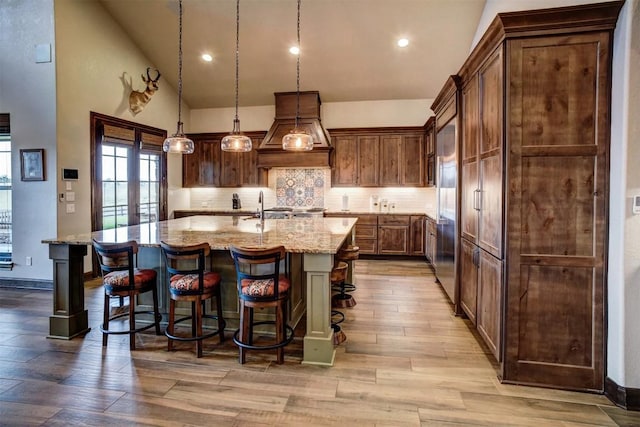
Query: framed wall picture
[32, 164]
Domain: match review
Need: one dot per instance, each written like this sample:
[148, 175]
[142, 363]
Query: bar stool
[338, 276]
[258, 272]
[121, 278]
[344, 299]
[190, 281]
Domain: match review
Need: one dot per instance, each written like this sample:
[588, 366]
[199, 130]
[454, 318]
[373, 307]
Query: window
[5, 190]
[128, 173]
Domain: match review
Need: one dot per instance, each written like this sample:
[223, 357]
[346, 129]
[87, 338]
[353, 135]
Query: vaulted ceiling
[348, 47]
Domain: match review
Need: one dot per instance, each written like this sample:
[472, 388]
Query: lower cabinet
[393, 234]
[430, 234]
[389, 234]
[481, 279]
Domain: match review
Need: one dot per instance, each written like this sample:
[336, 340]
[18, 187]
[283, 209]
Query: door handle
[476, 199]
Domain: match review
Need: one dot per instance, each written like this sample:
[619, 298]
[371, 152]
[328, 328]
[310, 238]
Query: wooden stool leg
[245, 328]
[132, 322]
[280, 332]
[198, 320]
[105, 319]
[219, 311]
[156, 311]
[172, 312]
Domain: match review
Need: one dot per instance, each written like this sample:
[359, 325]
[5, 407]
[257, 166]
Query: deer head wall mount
[137, 100]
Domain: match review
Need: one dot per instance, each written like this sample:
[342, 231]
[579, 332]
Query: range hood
[270, 152]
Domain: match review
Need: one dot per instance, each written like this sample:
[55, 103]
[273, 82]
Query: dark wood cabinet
[378, 157]
[430, 148]
[431, 241]
[534, 195]
[209, 166]
[490, 293]
[469, 279]
[416, 232]
[393, 234]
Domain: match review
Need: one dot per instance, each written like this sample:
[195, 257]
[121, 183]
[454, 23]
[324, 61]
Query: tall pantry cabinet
[534, 162]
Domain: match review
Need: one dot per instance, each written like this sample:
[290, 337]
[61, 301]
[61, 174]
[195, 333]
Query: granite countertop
[298, 235]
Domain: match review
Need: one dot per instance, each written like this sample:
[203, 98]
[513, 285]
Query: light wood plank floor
[407, 361]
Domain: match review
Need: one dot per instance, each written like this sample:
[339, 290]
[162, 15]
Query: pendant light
[297, 139]
[237, 141]
[178, 142]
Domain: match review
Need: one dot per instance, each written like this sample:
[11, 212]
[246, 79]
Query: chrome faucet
[261, 201]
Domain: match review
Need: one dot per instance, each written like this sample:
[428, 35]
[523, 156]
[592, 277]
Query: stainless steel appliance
[285, 212]
[447, 169]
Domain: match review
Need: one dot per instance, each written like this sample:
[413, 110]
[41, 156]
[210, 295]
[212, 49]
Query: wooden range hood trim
[270, 152]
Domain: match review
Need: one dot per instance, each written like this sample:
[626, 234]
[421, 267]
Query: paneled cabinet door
[413, 160]
[393, 240]
[345, 164]
[417, 233]
[469, 162]
[489, 301]
[368, 160]
[469, 279]
[490, 155]
[202, 167]
[390, 160]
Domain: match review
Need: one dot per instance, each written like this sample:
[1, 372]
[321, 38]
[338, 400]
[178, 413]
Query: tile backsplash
[312, 188]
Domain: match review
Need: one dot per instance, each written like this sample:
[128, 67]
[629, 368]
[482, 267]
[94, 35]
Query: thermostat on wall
[70, 174]
[636, 205]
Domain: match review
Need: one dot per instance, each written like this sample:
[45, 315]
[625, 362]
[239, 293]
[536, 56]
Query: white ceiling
[348, 46]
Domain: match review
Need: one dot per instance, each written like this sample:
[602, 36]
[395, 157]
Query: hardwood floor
[407, 361]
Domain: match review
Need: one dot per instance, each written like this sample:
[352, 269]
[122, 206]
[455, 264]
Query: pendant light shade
[178, 142]
[237, 141]
[297, 139]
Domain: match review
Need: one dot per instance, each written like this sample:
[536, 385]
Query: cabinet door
[230, 169]
[368, 161]
[390, 160]
[490, 152]
[470, 192]
[417, 233]
[345, 161]
[489, 297]
[202, 167]
[468, 279]
[393, 240]
[251, 175]
[412, 161]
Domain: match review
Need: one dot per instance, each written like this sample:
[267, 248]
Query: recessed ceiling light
[294, 50]
[207, 57]
[403, 42]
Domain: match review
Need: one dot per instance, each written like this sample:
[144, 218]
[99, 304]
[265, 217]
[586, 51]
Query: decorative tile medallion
[300, 188]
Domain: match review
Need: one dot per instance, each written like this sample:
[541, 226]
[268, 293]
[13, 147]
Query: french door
[128, 173]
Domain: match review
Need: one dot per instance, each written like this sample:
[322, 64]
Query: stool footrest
[128, 331]
[287, 340]
[201, 337]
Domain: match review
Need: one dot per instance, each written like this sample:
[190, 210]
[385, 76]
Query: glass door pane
[149, 187]
[115, 185]
[5, 198]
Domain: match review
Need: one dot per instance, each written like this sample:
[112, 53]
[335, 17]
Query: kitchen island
[310, 242]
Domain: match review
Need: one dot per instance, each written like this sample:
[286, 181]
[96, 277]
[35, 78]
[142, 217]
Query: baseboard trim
[26, 284]
[624, 397]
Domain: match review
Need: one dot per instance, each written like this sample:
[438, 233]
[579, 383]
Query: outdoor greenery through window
[5, 197]
[115, 185]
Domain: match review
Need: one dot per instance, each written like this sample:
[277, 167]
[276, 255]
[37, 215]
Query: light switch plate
[43, 53]
[71, 208]
[636, 205]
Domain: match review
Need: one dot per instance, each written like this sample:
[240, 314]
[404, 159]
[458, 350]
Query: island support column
[318, 342]
[69, 317]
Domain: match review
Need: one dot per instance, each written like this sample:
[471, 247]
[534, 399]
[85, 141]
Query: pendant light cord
[180, 72]
[298, 72]
[237, 56]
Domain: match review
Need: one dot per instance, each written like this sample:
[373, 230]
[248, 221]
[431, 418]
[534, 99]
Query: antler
[149, 77]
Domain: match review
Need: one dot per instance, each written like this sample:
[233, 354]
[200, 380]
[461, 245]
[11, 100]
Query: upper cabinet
[430, 147]
[209, 166]
[378, 157]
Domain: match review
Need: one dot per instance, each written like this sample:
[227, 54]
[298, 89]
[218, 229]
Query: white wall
[27, 92]
[623, 340]
[93, 54]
